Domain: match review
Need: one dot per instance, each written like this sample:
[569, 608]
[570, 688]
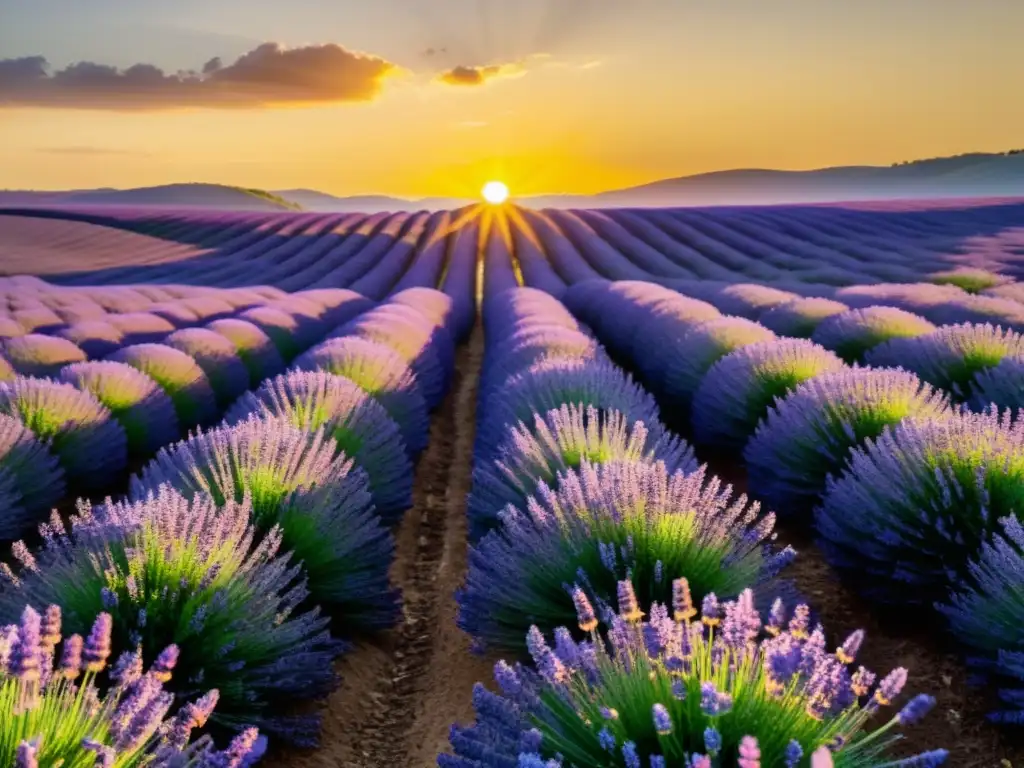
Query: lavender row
[976, 363]
[293, 252]
[673, 247]
[582, 500]
[239, 533]
[916, 500]
[82, 427]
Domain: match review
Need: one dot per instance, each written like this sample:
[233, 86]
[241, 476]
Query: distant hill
[168, 195]
[963, 176]
[974, 175]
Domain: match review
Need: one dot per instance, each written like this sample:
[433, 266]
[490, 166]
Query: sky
[434, 97]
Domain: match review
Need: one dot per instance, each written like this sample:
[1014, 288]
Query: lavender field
[511, 488]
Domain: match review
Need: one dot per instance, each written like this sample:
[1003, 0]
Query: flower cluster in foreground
[54, 713]
[672, 690]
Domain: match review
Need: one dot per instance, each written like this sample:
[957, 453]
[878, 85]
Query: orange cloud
[463, 75]
[266, 75]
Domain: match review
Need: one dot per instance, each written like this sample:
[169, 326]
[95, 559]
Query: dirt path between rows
[401, 692]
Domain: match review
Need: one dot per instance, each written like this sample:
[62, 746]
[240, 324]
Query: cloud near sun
[265, 76]
[480, 75]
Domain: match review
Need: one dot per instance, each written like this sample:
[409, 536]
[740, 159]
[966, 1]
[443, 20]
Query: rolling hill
[964, 176]
[167, 195]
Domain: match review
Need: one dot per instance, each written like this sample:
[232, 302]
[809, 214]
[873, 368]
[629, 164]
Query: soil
[402, 691]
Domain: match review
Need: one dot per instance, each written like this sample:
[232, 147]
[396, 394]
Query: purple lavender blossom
[749, 753]
[89, 444]
[361, 428]
[915, 709]
[137, 402]
[809, 435]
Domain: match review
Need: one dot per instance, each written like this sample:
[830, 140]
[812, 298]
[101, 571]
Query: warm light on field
[495, 192]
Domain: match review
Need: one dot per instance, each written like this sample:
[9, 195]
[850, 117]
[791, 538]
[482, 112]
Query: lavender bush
[727, 690]
[289, 336]
[137, 402]
[800, 318]
[297, 481]
[358, 424]
[603, 522]
[749, 300]
[1001, 385]
[217, 358]
[34, 472]
[380, 372]
[970, 279]
[917, 503]
[951, 356]
[686, 362]
[52, 713]
[96, 338]
[809, 434]
[89, 443]
[190, 573]
[141, 327]
[559, 441]
[987, 612]
[426, 349]
[738, 390]
[38, 355]
[254, 347]
[550, 384]
[525, 347]
[179, 376]
[851, 335]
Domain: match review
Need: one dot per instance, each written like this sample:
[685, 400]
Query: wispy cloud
[267, 75]
[469, 125]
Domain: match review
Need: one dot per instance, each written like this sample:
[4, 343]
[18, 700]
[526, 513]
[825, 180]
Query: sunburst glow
[495, 192]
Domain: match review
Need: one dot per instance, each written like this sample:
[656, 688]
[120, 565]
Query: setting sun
[495, 192]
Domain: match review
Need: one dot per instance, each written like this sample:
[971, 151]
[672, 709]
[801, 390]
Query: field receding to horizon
[724, 487]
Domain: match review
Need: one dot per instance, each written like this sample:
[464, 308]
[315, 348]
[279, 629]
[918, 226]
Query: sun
[495, 192]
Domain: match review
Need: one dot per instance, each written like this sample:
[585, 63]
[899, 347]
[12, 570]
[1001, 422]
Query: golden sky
[547, 95]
